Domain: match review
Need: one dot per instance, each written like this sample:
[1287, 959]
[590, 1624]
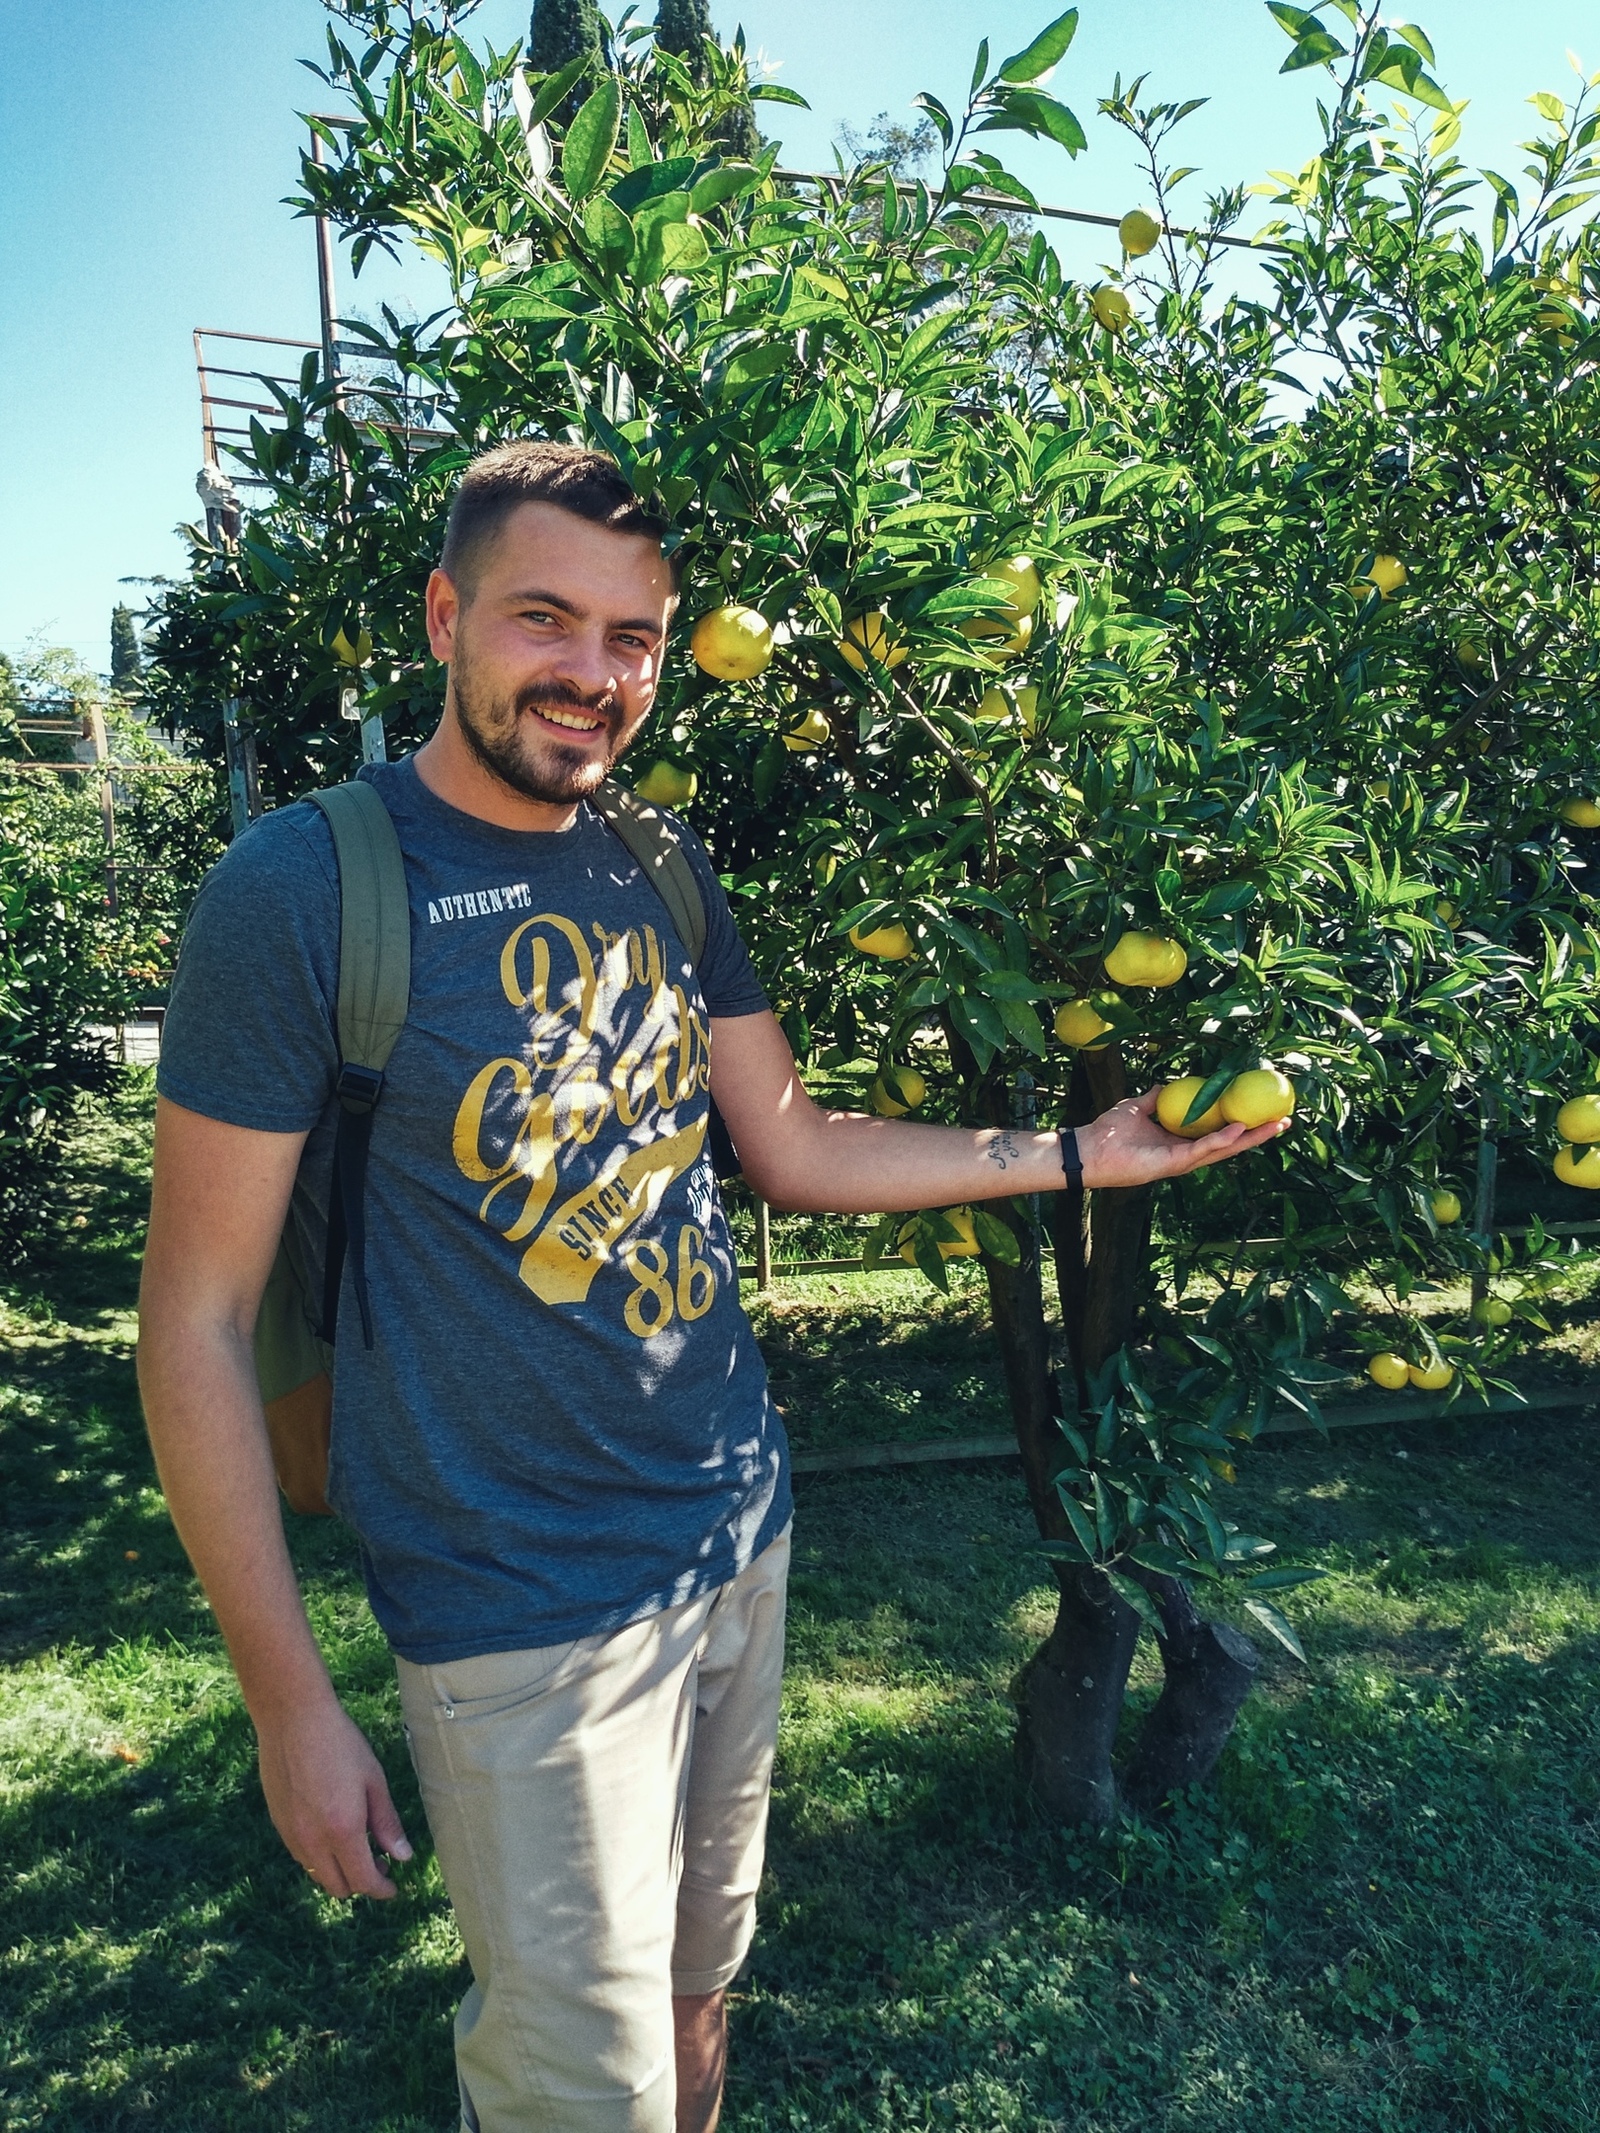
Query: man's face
[555, 655]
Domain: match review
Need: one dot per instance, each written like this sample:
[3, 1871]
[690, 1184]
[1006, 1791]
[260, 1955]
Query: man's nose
[589, 663]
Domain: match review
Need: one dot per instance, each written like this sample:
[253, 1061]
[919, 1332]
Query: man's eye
[537, 614]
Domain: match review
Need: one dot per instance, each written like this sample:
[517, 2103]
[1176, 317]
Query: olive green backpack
[294, 1337]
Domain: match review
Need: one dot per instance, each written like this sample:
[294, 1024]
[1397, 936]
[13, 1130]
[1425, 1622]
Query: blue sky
[145, 150]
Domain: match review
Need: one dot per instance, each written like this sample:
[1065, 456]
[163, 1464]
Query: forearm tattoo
[1004, 1151]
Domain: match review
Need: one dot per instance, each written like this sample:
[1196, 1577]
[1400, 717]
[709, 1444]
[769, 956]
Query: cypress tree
[560, 31]
[127, 661]
[682, 27]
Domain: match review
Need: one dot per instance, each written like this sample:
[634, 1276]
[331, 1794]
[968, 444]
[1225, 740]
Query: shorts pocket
[496, 1682]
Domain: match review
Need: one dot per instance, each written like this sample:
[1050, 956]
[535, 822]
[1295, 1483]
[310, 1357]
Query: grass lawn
[1388, 1917]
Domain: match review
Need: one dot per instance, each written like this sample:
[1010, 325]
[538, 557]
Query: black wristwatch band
[1071, 1160]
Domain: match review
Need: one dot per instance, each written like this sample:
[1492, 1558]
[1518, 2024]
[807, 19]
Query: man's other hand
[329, 1801]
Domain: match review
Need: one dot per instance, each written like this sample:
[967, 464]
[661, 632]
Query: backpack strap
[646, 833]
[653, 843]
[374, 999]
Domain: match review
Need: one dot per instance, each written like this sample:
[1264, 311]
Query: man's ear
[444, 606]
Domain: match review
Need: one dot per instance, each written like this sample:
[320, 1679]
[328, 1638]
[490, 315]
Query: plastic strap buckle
[358, 1087]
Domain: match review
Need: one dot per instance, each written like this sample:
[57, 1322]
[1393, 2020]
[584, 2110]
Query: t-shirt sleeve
[727, 976]
[250, 1035]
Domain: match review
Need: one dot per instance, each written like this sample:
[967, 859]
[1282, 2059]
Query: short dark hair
[534, 471]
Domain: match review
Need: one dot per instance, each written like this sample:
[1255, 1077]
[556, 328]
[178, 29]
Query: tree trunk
[1069, 1700]
[1210, 1670]
[1069, 1694]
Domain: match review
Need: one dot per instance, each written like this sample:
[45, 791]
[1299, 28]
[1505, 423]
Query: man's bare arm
[217, 1209]
[840, 1162]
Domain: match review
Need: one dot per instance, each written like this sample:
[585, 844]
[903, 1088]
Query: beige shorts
[599, 1811]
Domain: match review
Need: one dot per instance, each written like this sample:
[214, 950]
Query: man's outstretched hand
[329, 1800]
[1127, 1146]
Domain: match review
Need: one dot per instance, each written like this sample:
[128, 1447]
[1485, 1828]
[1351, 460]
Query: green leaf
[925, 101]
[1294, 21]
[1416, 38]
[768, 92]
[1080, 1525]
[640, 150]
[930, 1261]
[927, 335]
[1130, 1590]
[1548, 106]
[1281, 1580]
[1270, 1619]
[1045, 51]
[1414, 83]
[980, 67]
[1030, 111]
[1316, 50]
[1506, 207]
[726, 182]
[591, 138]
[674, 248]
[650, 180]
[997, 1237]
[770, 765]
[557, 87]
[609, 232]
[469, 69]
[752, 364]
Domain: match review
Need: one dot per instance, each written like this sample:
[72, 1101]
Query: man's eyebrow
[536, 598]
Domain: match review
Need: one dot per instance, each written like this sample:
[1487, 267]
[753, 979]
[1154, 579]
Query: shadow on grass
[169, 1964]
[1386, 1918]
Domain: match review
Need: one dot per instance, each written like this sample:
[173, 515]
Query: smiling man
[558, 1452]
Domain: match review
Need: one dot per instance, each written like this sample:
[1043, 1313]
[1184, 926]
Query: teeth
[570, 718]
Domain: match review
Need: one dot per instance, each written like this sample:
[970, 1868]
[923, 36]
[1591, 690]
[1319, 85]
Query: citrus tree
[69, 960]
[1090, 685]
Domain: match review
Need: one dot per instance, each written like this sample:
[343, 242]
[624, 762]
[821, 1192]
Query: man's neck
[452, 773]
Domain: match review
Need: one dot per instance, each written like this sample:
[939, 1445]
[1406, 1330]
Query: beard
[535, 767]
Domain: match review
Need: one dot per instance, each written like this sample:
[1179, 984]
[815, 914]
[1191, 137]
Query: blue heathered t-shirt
[563, 1425]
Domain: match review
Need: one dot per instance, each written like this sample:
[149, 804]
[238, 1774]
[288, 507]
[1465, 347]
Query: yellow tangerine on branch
[890, 944]
[732, 643]
[1140, 233]
[667, 785]
[1112, 308]
[1172, 1107]
[996, 704]
[1081, 1024]
[868, 636]
[1433, 1375]
[964, 1245]
[809, 735]
[1021, 573]
[1579, 1166]
[1446, 1207]
[897, 1090]
[1146, 959]
[1258, 1097]
[1387, 573]
[352, 655]
[1001, 636]
[1389, 1370]
[1579, 1119]
[1582, 814]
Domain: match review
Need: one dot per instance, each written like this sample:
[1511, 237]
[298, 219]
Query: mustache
[564, 694]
